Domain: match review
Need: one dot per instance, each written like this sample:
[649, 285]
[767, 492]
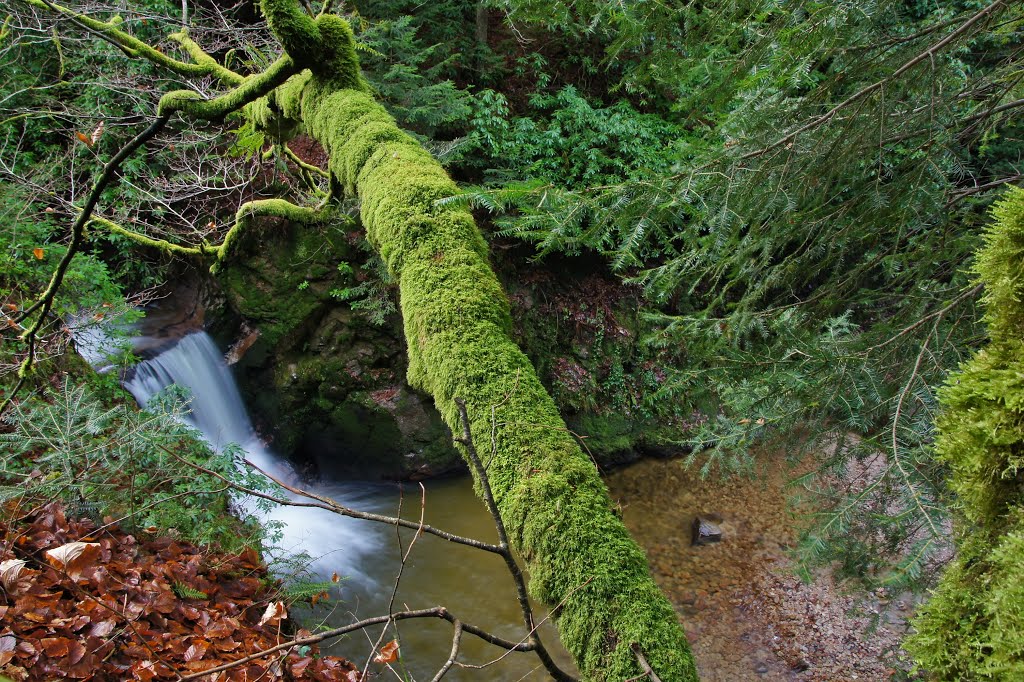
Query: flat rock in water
[705, 532]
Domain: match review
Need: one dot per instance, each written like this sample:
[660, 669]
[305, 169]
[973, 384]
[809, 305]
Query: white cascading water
[474, 584]
[335, 543]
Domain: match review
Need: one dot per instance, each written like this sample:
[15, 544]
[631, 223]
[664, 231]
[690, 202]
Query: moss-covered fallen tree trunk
[457, 324]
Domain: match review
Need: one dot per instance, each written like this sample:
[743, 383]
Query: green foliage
[813, 279]
[183, 591]
[410, 78]
[23, 273]
[306, 590]
[973, 627]
[567, 141]
[368, 290]
[133, 466]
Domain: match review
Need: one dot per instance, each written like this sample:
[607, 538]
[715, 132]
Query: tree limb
[330, 505]
[828, 115]
[45, 302]
[133, 47]
[191, 103]
[276, 208]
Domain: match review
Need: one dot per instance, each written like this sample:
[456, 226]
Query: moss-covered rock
[583, 332]
[326, 382]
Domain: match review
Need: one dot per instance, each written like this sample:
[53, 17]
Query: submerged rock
[704, 532]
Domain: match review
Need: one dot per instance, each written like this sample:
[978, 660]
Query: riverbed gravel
[747, 614]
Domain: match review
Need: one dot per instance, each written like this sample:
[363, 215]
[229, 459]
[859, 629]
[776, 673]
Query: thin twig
[456, 640]
[648, 670]
[329, 505]
[435, 612]
[938, 313]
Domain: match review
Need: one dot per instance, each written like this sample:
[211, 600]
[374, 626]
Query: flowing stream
[473, 585]
[733, 597]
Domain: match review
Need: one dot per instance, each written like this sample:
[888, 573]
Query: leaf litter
[82, 602]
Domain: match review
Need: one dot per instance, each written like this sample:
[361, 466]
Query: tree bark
[482, 21]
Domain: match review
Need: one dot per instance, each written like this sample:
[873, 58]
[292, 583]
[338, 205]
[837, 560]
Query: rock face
[327, 383]
[329, 386]
[704, 532]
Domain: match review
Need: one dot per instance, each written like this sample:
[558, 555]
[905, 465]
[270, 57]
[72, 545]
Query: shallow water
[710, 585]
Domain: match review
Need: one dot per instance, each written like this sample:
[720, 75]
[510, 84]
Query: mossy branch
[158, 244]
[133, 47]
[44, 303]
[191, 103]
[308, 167]
[551, 500]
[203, 59]
[277, 208]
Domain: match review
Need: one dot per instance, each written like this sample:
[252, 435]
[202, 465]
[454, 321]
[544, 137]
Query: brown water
[474, 585]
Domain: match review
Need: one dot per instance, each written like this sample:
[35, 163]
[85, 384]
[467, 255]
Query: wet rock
[704, 532]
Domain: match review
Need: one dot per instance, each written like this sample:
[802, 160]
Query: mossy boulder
[327, 384]
[583, 332]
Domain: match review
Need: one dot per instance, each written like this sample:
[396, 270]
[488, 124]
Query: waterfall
[335, 543]
[215, 406]
[366, 554]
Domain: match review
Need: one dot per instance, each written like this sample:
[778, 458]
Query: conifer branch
[860, 94]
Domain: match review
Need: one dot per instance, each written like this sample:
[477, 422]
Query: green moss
[973, 626]
[191, 103]
[134, 47]
[457, 326]
[606, 435]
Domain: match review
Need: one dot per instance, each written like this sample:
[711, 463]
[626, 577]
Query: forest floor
[88, 601]
[747, 614]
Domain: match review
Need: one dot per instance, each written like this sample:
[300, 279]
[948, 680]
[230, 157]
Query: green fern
[305, 590]
[183, 591]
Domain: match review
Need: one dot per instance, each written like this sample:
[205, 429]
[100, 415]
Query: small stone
[761, 669]
[704, 532]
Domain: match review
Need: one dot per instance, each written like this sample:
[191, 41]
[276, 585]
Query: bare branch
[330, 505]
[436, 612]
[456, 640]
[45, 301]
[648, 670]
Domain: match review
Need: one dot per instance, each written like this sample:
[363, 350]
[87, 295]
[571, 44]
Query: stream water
[718, 590]
[473, 585]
